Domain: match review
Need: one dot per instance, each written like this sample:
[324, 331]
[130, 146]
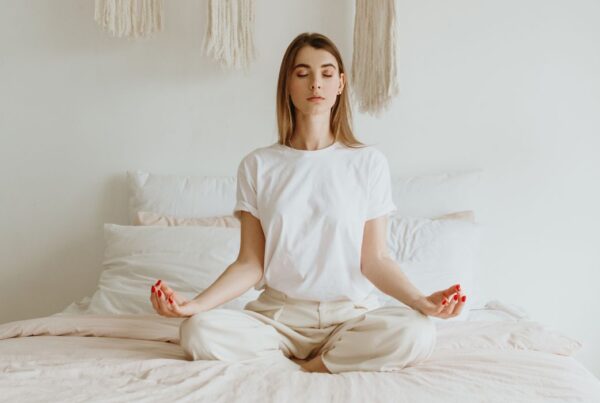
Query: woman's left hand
[443, 304]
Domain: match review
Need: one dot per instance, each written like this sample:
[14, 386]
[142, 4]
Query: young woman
[313, 208]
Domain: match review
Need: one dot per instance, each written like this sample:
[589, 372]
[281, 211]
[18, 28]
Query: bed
[492, 357]
[110, 346]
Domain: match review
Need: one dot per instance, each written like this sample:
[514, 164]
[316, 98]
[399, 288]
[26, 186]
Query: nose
[315, 85]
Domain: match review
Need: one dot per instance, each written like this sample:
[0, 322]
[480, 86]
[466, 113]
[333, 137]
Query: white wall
[511, 87]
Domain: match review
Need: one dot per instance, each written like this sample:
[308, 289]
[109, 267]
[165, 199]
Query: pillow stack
[188, 241]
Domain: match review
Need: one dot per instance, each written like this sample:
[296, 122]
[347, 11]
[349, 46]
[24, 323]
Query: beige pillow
[468, 215]
[150, 218]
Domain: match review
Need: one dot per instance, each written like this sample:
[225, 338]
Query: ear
[342, 81]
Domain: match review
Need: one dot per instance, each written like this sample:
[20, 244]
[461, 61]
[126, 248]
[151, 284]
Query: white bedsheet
[136, 358]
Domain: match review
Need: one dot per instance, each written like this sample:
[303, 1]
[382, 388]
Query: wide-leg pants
[349, 336]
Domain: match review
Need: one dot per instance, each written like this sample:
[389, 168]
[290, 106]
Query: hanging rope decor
[129, 18]
[374, 71]
[229, 37]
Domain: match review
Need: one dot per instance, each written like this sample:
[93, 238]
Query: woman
[313, 209]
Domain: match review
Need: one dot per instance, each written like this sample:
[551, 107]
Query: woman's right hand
[167, 303]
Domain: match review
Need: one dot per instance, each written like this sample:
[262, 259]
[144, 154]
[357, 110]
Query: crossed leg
[384, 339]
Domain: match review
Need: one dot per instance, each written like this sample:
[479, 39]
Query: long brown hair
[341, 116]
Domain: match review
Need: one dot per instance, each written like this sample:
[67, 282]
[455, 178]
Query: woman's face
[315, 73]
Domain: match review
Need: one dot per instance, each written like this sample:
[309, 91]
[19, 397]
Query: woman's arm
[385, 274]
[245, 272]
[238, 278]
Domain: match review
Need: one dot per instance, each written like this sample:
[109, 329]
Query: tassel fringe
[129, 18]
[229, 36]
[374, 70]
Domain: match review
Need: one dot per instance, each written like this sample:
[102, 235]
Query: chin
[321, 107]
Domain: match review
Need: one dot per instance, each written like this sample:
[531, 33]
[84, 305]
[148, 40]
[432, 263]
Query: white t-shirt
[312, 206]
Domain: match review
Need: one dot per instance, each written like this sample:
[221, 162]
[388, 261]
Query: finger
[163, 309]
[156, 303]
[448, 293]
[169, 292]
[165, 288]
[174, 306]
[455, 302]
[153, 299]
[452, 289]
[449, 306]
[441, 305]
[460, 305]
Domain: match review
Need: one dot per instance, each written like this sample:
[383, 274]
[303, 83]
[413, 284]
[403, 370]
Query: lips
[314, 98]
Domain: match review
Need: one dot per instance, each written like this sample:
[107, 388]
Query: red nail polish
[456, 297]
[464, 298]
[444, 302]
[153, 289]
[159, 293]
[158, 283]
[170, 300]
[458, 287]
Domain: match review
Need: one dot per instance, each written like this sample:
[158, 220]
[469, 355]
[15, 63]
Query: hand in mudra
[166, 302]
[444, 304]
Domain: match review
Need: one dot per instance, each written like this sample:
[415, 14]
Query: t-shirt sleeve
[379, 194]
[246, 189]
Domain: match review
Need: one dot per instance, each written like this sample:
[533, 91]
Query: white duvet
[127, 358]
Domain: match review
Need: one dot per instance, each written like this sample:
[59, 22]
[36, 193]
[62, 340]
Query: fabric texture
[348, 336]
[312, 206]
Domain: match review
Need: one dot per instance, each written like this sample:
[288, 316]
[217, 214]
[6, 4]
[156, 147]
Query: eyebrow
[307, 66]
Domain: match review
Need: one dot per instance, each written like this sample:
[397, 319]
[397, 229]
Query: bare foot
[300, 362]
[313, 365]
[316, 365]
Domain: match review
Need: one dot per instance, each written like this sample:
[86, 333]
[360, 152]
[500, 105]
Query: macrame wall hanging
[229, 37]
[374, 71]
[129, 18]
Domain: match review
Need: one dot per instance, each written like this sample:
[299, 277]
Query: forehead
[311, 57]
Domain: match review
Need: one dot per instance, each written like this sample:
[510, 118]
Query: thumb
[185, 309]
[169, 292]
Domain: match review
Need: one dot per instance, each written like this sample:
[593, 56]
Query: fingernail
[153, 289]
[158, 283]
[170, 300]
[464, 298]
[159, 293]
[458, 287]
[444, 302]
[456, 297]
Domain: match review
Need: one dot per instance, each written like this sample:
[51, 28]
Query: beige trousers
[348, 336]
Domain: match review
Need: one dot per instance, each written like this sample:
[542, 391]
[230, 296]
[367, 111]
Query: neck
[312, 133]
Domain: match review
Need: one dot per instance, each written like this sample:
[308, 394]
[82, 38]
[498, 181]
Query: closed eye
[304, 75]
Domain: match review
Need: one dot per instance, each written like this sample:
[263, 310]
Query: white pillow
[181, 196]
[209, 196]
[437, 194]
[434, 255]
[187, 258]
